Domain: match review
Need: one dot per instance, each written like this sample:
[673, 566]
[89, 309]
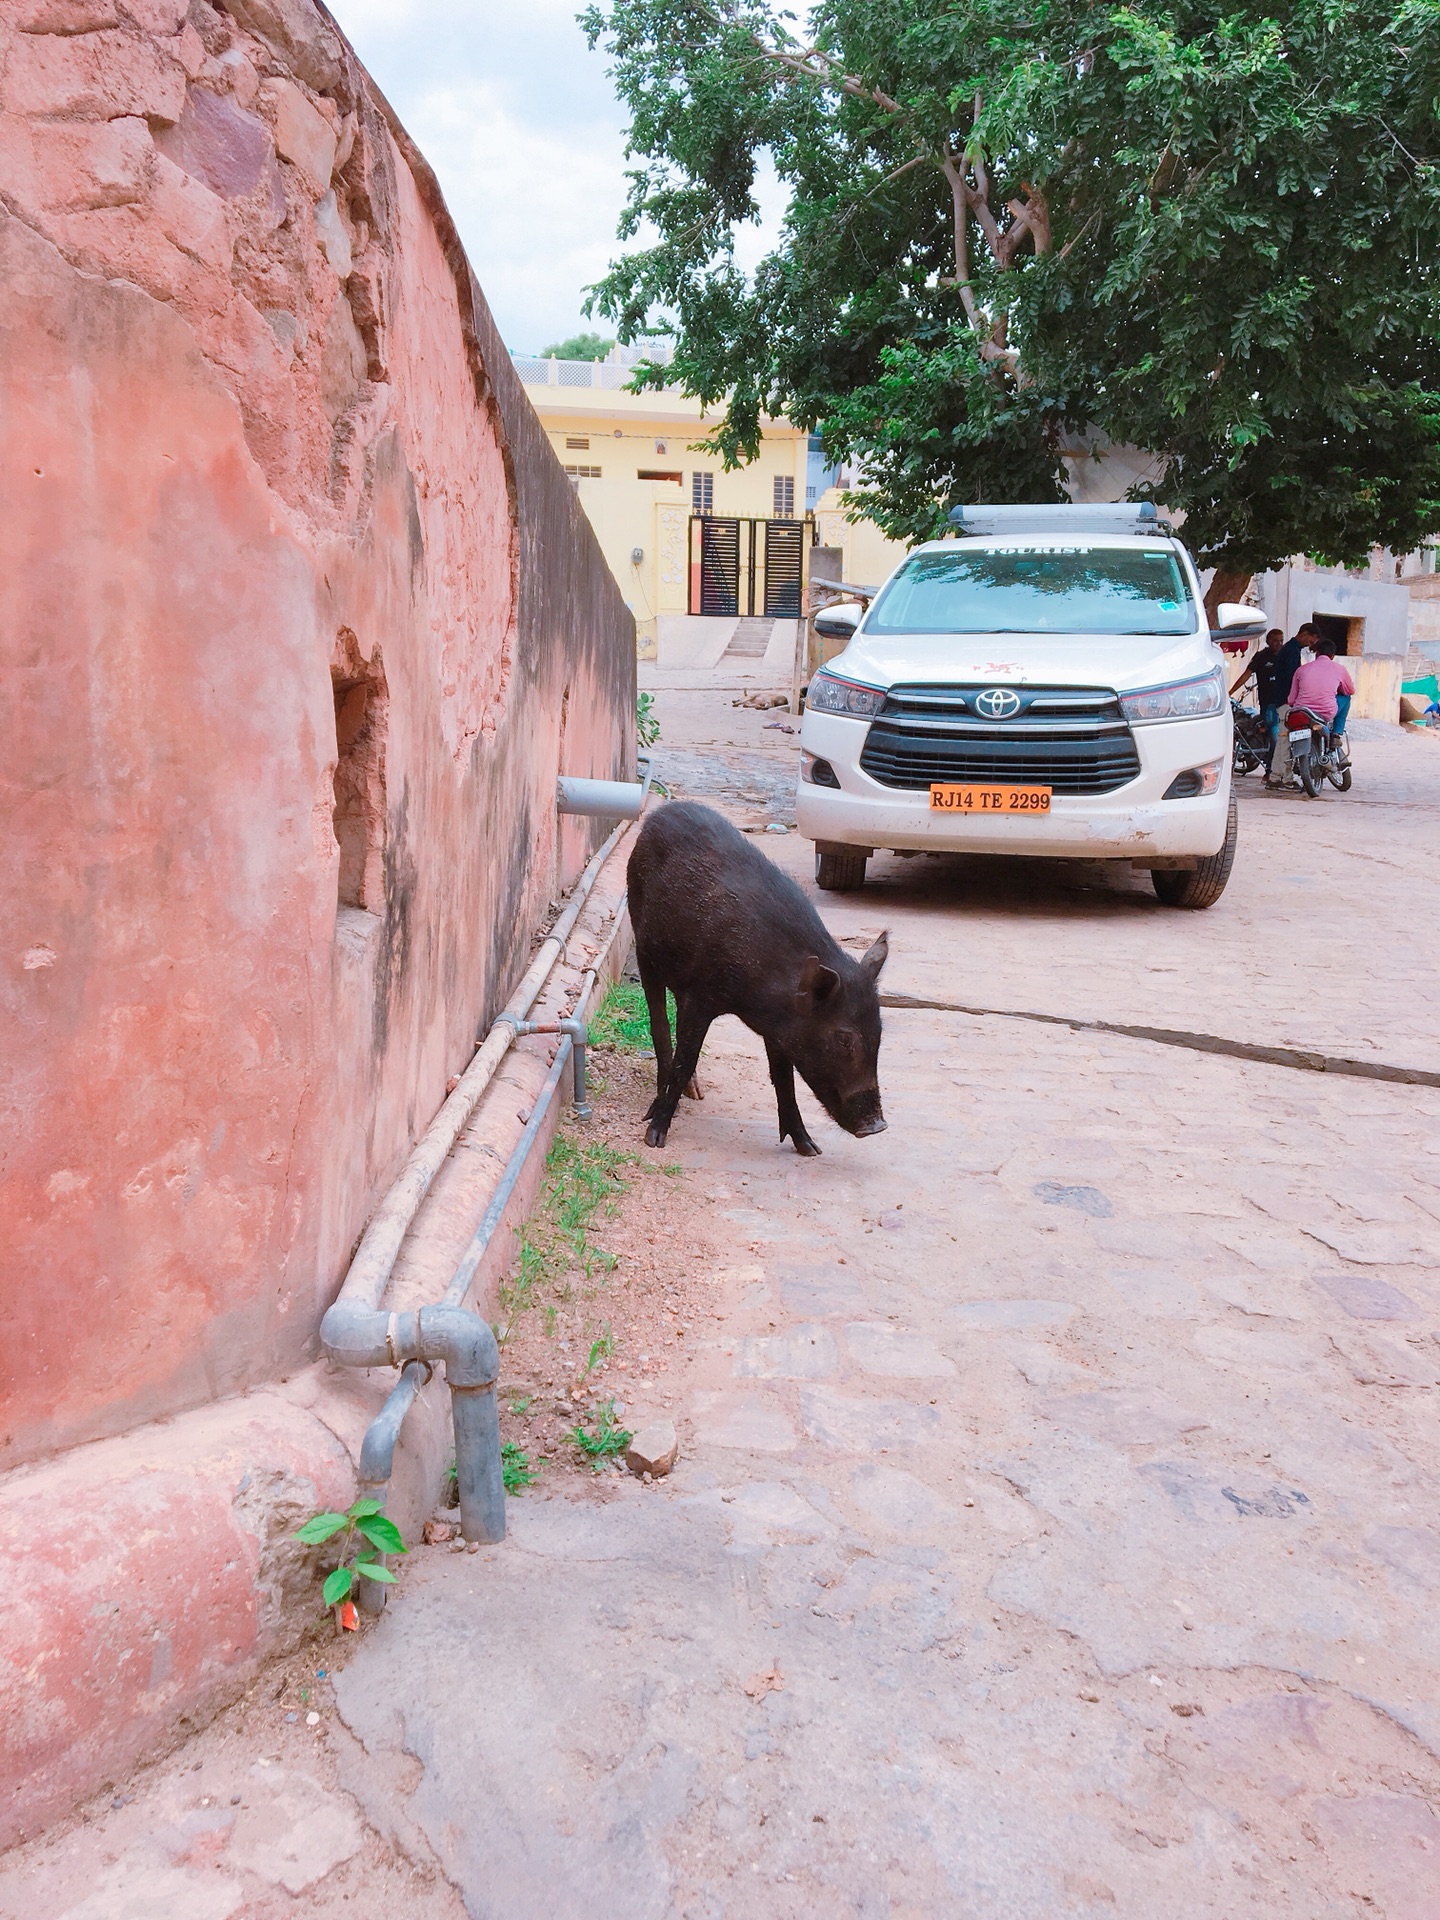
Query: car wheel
[839, 872]
[1204, 885]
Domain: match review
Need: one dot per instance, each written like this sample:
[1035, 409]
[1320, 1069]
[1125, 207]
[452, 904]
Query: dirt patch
[614, 1306]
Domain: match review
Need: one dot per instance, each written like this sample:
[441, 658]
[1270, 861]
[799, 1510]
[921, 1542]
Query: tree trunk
[1226, 585]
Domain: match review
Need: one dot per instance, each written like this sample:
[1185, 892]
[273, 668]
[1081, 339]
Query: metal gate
[735, 563]
[718, 575]
[784, 567]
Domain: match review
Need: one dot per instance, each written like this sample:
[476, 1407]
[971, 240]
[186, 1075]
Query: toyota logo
[997, 703]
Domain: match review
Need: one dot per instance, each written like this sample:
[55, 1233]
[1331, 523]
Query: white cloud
[520, 122]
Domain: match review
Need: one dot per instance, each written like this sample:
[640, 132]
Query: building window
[702, 493]
[784, 497]
[653, 473]
[577, 474]
[578, 444]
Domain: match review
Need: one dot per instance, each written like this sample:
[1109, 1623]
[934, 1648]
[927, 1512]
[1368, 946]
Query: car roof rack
[1111, 516]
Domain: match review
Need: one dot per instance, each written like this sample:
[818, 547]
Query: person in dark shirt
[1272, 669]
[1281, 772]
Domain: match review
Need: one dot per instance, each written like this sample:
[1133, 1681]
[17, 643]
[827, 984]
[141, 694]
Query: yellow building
[684, 537]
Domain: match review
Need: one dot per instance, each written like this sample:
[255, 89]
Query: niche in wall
[362, 711]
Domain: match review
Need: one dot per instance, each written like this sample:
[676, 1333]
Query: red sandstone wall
[266, 477]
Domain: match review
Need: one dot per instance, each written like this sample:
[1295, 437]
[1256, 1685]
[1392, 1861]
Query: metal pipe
[489, 1220]
[377, 1458]
[349, 1331]
[379, 1248]
[603, 799]
[579, 1035]
[358, 1336]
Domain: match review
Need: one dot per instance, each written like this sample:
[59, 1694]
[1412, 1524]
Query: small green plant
[367, 1532]
[515, 1467]
[647, 722]
[600, 1349]
[520, 1406]
[623, 1020]
[604, 1439]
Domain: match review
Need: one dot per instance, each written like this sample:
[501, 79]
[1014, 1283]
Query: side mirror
[1230, 615]
[839, 623]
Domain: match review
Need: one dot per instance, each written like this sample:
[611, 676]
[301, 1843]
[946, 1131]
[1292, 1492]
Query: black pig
[727, 932]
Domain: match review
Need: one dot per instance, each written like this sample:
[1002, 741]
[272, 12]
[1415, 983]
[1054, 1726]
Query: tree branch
[960, 203]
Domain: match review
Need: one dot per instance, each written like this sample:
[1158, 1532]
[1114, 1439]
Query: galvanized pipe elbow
[359, 1336]
[464, 1341]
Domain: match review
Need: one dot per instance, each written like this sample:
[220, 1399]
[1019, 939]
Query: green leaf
[382, 1533]
[321, 1527]
[337, 1586]
[363, 1508]
[373, 1570]
[1235, 263]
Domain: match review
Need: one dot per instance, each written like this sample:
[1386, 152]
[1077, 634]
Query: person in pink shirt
[1317, 685]
[1317, 682]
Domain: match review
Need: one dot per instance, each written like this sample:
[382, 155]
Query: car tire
[839, 872]
[1203, 886]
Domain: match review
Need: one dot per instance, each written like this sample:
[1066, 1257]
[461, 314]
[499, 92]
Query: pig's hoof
[655, 1134]
[805, 1146]
[692, 1092]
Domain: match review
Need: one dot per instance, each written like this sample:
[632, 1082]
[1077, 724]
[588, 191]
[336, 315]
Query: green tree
[1012, 232]
[581, 346]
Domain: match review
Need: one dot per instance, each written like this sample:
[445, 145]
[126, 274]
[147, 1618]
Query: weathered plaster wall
[263, 461]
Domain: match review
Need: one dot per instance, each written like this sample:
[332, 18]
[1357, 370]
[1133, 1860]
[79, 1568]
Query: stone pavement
[1053, 1532]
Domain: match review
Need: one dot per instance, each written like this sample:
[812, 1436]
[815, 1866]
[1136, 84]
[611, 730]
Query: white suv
[1043, 683]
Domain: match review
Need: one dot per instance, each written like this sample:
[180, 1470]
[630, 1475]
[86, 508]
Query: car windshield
[1038, 590]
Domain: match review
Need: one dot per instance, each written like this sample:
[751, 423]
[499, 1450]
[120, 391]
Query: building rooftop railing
[612, 373]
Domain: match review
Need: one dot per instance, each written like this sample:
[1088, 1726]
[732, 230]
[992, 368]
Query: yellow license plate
[945, 798]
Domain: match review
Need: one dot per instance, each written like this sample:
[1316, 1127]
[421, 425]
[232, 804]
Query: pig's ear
[817, 982]
[874, 957]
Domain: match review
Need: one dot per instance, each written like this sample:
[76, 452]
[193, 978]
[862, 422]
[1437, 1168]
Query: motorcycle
[1251, 743]
[1316, 753]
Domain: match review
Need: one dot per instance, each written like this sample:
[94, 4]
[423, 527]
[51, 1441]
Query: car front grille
[1071, 739]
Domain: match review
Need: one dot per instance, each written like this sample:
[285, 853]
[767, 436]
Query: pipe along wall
[357, 1332]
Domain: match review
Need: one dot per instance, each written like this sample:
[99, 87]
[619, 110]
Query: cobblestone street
[1052, 1530]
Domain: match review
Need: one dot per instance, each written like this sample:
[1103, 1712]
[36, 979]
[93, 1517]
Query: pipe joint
[356, 1336]
[464, 1341]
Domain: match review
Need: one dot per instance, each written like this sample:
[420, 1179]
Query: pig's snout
[861, 1114]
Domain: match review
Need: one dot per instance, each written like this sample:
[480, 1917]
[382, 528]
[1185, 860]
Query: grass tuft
[515, 1467]
[583, 1182]
[622, 1021]
[604, 1439]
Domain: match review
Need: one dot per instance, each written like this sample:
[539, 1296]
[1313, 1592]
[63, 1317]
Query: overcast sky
[519, 121]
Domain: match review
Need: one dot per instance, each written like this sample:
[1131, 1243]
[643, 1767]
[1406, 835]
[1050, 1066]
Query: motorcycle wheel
[1246, 759]
[1340, 777]
[1309, 780]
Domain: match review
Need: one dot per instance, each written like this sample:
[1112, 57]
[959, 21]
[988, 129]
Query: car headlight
[828, 693]
[1180, 700]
